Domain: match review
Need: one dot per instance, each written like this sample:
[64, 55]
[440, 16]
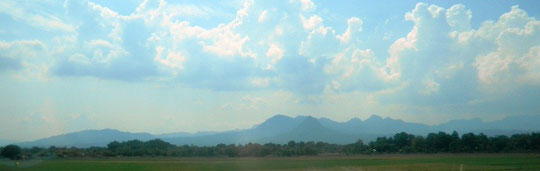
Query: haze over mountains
[281, 129]
[5, 142]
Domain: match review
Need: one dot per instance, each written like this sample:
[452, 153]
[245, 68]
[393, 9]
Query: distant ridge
[88, 138]
[4, 142]
[281, 129]
[310, 129]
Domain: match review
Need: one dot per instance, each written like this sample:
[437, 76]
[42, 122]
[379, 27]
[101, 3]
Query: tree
[291, 144]
[499, 143]
[383, 144]
[535, 141]
[11, 151]
[399, 143]
[469, 142]
[356, 148]
[113, 145]
[482, 141]
[455, 143]
[419, 144]
[403, 141]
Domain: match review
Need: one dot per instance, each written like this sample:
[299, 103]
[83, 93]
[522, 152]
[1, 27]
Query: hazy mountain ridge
[310, 129]
[278, 124]
[185, 134]
[281, 129]
[6, 142]
[506, 126]
[88, 138]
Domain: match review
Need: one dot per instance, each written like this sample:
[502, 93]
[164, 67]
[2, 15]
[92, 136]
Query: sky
[162, 66]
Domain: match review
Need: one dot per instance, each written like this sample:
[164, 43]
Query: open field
[363, 162]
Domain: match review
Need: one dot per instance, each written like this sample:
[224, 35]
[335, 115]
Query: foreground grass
[364, 162]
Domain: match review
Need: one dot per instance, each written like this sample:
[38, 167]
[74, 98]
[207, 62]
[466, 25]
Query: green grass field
[364, 162]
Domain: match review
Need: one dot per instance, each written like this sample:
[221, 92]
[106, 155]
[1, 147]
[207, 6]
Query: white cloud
[174, 60]
[356, 70]
[100, 43]
[79, 58]
[31, 71]
[260, 82]
[431, 87]
[226, 42]
[516, 36]
[275, 53]
[22, 49]
[104, 51]
[38, 19]
[435, 30]
[320, 42]
[181, 30]
[435, 11]
[313, 22]
[103, 11]
[353, 25]
[490, 66]
[459, 18]
[392, 71]
[307, 5]
[443, 61]
[262, 16]
[27, 57]
[530, 63]
[351, 61]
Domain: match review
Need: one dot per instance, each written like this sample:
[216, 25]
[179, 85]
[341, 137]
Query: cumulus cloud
[284, 50]
[154, 42]
[173, 60]
[356, 70]
[311, 23]
[516, 37]
[16, 53]
[320, 42]
[529, 63]
[459, 18]
[353, 25]
[443, 61]
[275, 53]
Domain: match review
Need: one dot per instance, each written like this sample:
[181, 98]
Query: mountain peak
[374, 118]
[311, 117]
[109, 130]
[310, 123]
[277, 124]
[355, 119]
[279, 116]
[276, 119]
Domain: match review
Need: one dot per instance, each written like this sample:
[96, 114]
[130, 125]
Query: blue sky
[168, 66]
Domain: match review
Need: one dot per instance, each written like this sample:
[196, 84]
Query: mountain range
[281, 129]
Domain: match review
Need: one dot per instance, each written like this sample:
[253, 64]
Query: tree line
[440, 142]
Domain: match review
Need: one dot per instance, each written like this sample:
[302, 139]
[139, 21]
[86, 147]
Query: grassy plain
[361, 162]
